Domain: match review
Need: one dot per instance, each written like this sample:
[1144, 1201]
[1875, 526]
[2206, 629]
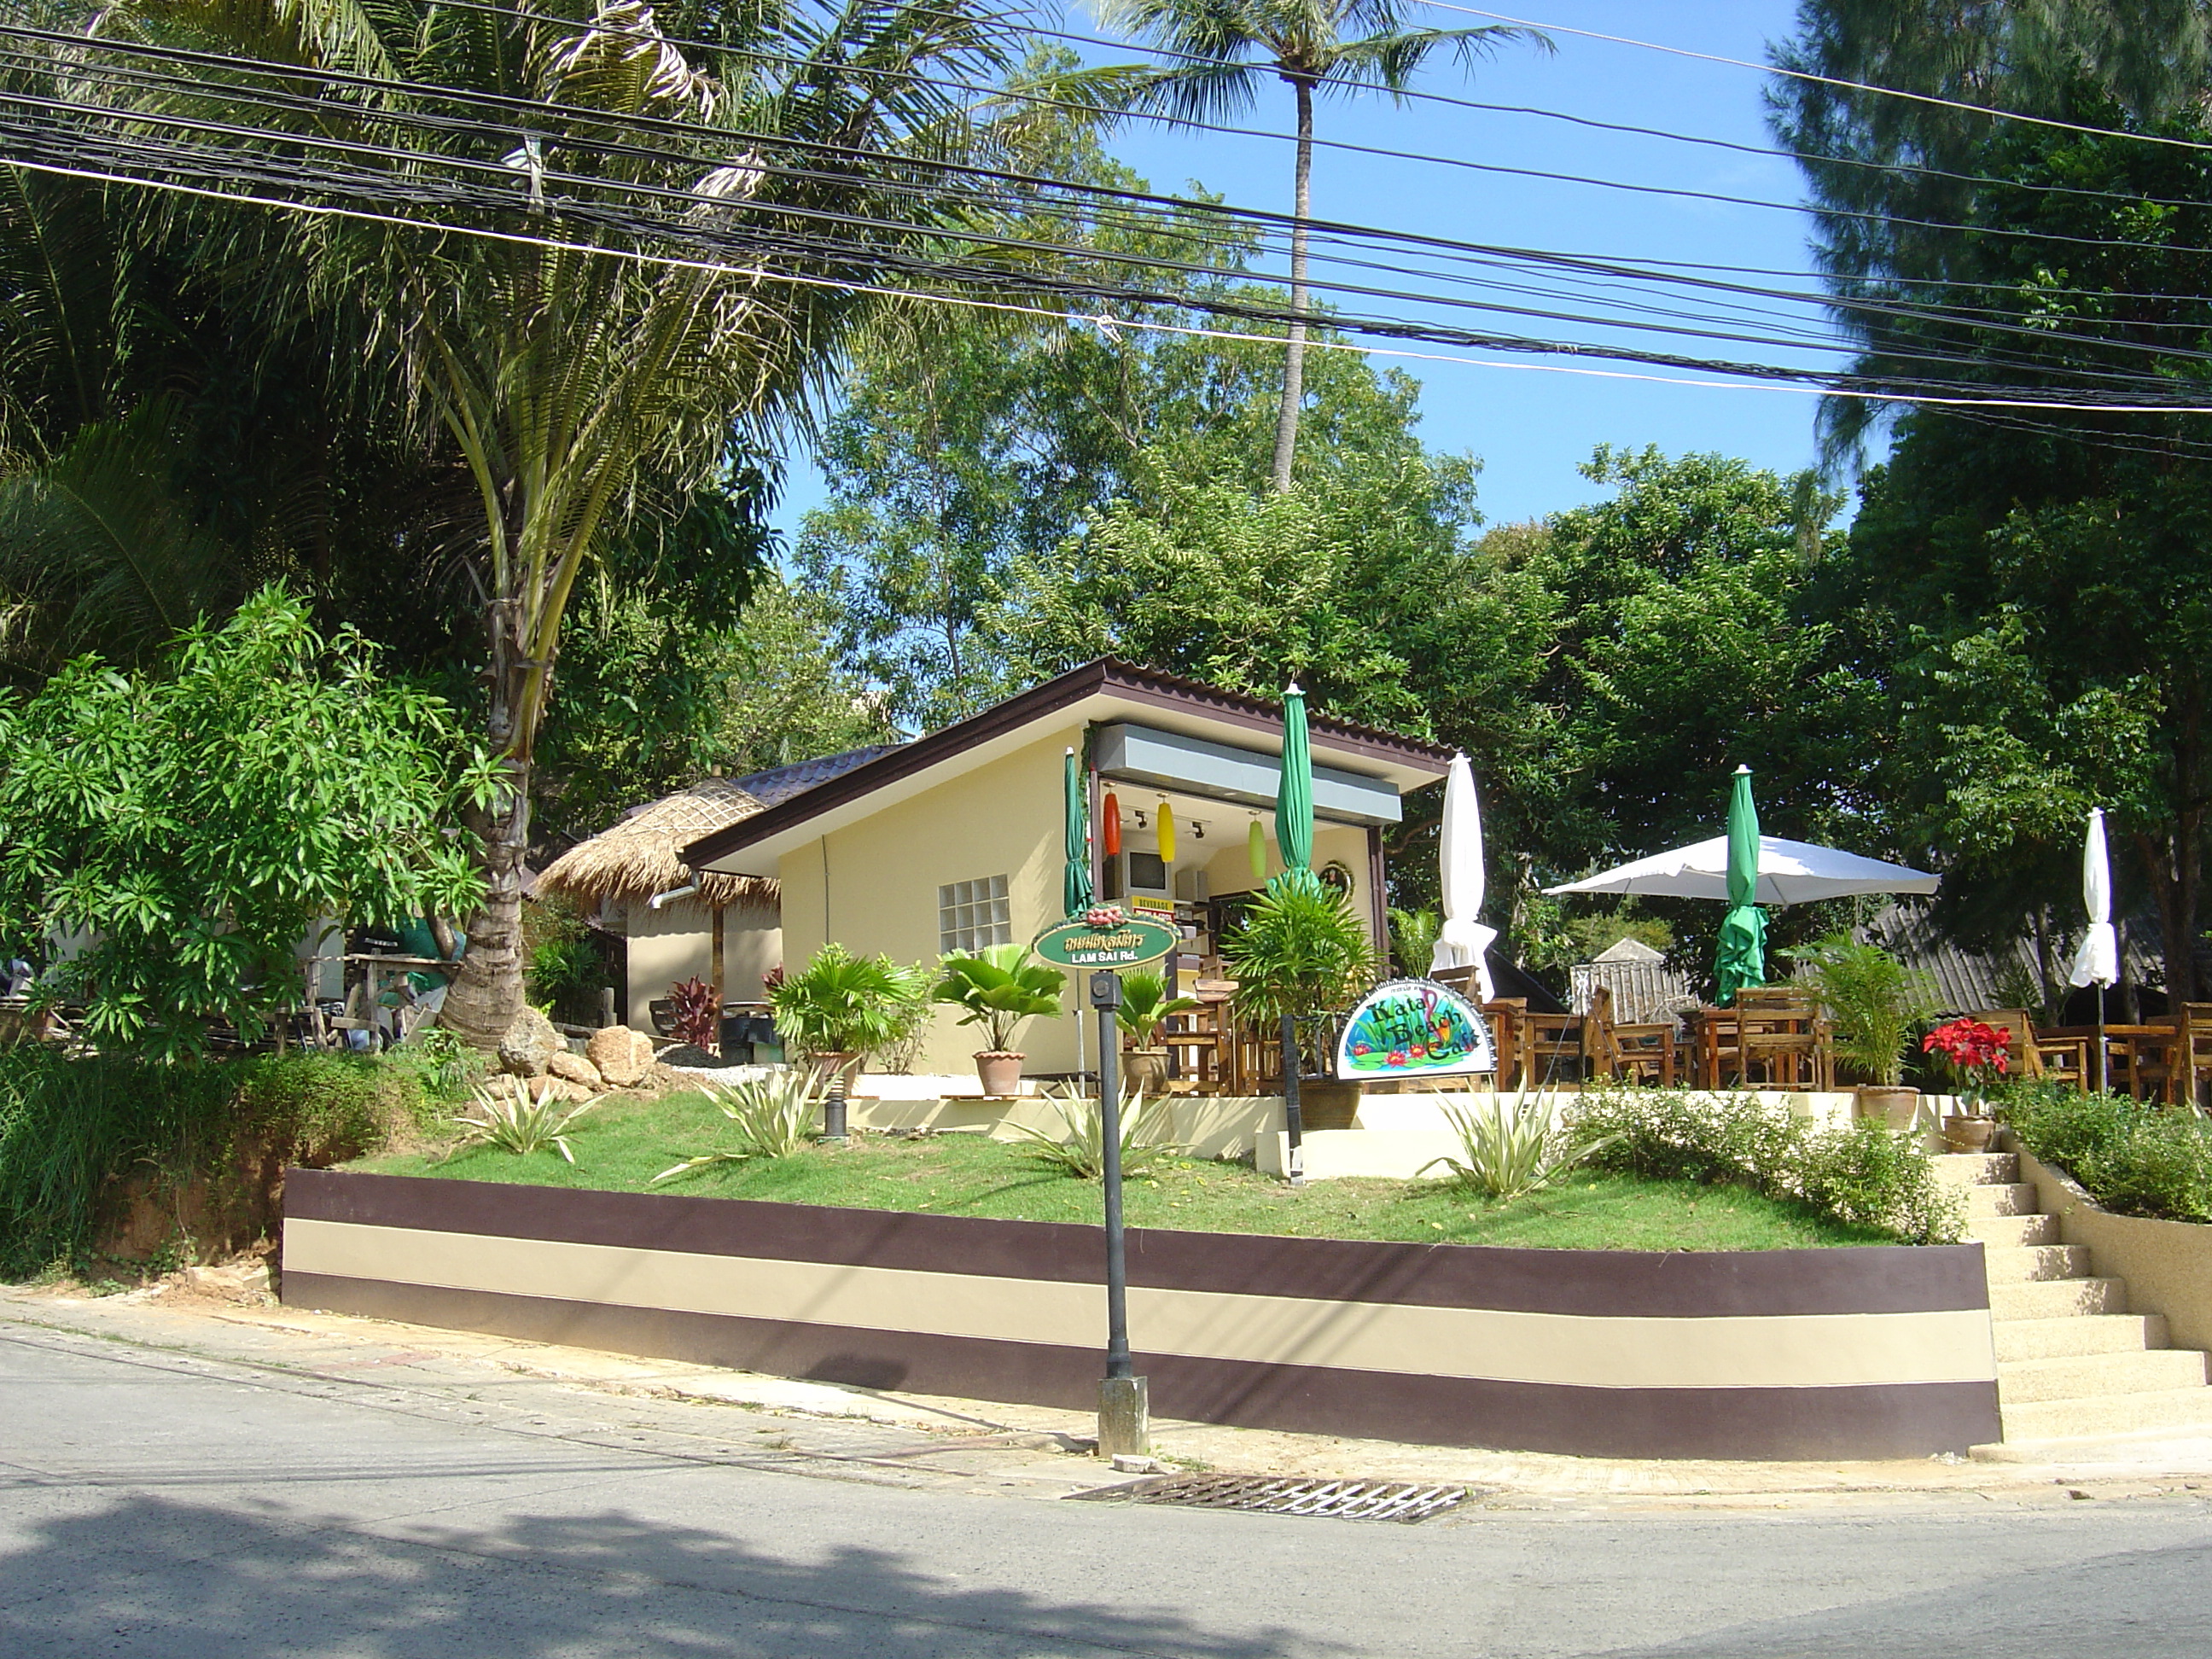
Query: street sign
[1105, 939]
[1414, 1028]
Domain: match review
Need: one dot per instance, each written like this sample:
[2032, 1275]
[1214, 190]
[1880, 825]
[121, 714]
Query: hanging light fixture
[1111, 813]
[1256, 844]
[1167, 833]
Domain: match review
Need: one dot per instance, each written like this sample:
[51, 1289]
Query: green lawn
[622, 1146]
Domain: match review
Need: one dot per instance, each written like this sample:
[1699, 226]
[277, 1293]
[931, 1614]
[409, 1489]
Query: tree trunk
[487, 989]
[1294, 354]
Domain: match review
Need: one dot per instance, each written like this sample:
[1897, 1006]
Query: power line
[1332, 229]
[1831, 81]
[1386, 328]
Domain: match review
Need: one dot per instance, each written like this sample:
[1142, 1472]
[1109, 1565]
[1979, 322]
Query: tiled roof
[779, 783]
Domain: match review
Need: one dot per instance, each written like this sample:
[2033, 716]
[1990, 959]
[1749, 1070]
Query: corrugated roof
[1965, 980]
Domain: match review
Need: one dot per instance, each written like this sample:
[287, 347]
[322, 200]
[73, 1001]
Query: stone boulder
[530, 1044]
[621, 1056]
[576, 1069]
[559, 1089]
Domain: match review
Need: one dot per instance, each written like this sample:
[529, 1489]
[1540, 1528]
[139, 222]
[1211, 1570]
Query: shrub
[504, 1116]
[773, 1116]
[840, 1003]
[75, 1130]
[1079, 1150]
[1513, 1151]
[2132, 1159]
[1875, 1001]
[696, 1011]
[1865, 1174]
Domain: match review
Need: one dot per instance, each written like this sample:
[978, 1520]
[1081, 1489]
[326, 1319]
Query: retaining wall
[1869, 1352]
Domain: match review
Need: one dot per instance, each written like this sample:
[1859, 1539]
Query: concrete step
[1977, 1169]
[2012, 1233]
[2084, 1333]
[2006, 1198]
[2088, 1377]
[2036, 1262]
[2116, 1413]
[2056, 1298]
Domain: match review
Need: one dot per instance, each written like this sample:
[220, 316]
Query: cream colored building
[955, 840]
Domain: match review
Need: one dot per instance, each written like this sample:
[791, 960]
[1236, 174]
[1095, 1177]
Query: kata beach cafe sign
[1414, 1028]
[1106, 938]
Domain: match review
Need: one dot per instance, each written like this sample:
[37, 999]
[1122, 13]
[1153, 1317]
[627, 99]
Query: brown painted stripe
[1888, 1420]
[1873, 1280]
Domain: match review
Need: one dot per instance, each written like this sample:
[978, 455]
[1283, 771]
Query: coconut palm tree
[1220, 52]
[576, 382]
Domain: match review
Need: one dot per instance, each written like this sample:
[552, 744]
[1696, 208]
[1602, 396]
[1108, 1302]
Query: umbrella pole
[2104, 1059]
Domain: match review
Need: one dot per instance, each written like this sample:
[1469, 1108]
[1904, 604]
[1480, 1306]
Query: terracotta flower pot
[1144, 1070]
[1001, 1072]
[1899, 1108]
[1968, 1135]
[827, 1068]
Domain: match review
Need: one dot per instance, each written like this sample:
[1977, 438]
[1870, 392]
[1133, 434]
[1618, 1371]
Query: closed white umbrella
[1790, 872]
[1463, 941]
[2098, 962]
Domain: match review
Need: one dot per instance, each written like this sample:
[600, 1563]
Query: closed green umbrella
[1743, 930]
[1075, 882]
[1294, 817]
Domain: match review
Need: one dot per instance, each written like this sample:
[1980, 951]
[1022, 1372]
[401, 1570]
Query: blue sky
[1531, 428]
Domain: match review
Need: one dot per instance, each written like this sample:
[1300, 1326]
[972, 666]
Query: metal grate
[1267, 1494]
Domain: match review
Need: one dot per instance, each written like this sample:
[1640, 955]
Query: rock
[530, 1044]
[622, 1055]
[550, 1087]
[575, 1069]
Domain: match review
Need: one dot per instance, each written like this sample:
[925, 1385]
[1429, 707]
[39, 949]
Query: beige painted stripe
[1791, 1350]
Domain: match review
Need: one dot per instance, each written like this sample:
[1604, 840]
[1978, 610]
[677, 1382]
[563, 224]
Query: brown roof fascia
[1103, 675]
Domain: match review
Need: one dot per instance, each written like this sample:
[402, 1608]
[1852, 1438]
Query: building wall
[873, 886]
[676, 943]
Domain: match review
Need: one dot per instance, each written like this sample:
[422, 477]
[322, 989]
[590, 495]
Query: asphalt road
[156, 1508]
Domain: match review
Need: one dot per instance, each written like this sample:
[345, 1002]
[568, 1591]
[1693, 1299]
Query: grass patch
[623, 1145]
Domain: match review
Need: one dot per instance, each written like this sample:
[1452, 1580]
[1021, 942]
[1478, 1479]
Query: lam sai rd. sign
[1106, 939]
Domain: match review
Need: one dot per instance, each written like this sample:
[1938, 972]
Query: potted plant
[1147, 1006]
[838, 1007]
[1299, 953]
[1875, 1002]
[1978, 1055]
[999, 988]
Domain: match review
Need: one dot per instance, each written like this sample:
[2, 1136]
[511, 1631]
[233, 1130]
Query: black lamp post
[1124, 1411]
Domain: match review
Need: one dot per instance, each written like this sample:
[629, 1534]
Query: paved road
[155, 1506]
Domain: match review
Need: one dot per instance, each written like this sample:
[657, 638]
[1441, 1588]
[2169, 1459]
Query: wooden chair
[1782, 1041]
[2033, 1055]
[1552, 1042]
[1509, 1033]
[2175, 1065]
[1644, 1052]
[1195, 1042]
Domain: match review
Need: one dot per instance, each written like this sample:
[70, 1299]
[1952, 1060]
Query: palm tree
[573, 383]
[1219, 53]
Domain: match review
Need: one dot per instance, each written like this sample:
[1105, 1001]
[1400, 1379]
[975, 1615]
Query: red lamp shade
[1112, 814]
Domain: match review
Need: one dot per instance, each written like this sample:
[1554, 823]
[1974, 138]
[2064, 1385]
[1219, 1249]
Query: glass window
[972, 916]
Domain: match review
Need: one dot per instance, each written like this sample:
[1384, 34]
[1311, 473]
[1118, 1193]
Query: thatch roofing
[643, 855]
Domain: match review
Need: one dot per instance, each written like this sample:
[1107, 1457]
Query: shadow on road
[157, 1576]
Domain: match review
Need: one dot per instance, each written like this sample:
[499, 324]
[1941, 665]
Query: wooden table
[1727, 1043]
[2124, 1048]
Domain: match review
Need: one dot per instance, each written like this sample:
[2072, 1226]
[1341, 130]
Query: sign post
[1105, 940]
[1124, 1410]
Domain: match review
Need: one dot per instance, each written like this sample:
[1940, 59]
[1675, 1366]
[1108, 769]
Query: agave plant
[503, 1114]
[1079, 1150]
[1512, 1150]
[772, 1117]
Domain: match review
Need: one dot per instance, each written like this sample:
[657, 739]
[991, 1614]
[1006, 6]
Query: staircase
[2072, 1362]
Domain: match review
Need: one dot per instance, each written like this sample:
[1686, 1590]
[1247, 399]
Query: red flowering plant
[1978, 1052]
[697, 1013]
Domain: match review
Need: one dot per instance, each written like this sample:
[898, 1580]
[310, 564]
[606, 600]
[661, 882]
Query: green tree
[2029, 585]
[567, 381]
[1220, 52]
[188, 826]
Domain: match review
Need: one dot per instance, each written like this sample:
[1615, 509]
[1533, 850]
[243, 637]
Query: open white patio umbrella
[2098, 962]
[1790, 872]
[1463, 942]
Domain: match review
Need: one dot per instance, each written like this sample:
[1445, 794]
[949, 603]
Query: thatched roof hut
[643, 854]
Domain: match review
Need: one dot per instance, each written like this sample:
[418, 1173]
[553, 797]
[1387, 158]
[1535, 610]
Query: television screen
[1148, 871]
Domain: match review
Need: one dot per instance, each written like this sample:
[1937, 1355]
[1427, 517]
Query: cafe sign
[1414, 1028]
[1106, 938]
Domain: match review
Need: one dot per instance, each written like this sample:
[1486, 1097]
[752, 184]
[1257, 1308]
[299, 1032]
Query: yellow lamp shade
[1256, 842]
[1167, 833]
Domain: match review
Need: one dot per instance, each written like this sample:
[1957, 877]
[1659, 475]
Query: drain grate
[1267, 1494]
